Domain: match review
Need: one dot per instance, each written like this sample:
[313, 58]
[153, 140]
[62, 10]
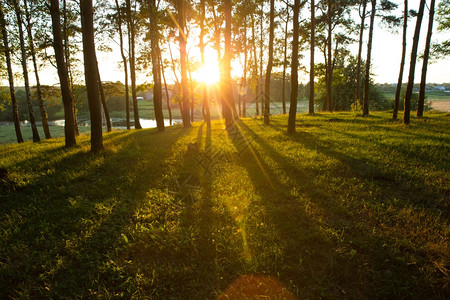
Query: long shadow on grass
[304, 255]
[64, 234]
[354, 258]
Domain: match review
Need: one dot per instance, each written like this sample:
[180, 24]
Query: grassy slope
[346, 208]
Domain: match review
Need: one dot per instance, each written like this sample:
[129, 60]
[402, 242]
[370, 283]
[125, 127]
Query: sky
[386, 55]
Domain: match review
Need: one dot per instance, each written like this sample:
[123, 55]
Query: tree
[12, 90]
[283, 89]
[294, 70]
[156, 63]
[34, 130]
[363, 16]
[269, 64]
[311, 68]
[368, 61]
[132, 61]
[441, 50]
[103, 101]
[69, 122]
[426, 54]
[402, 62]
[125, 64]
[42, 110]
[227, 89]
[182, 38]
[202, 54]
[91, 75]
[412, 64]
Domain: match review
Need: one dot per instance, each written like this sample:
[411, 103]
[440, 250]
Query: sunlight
[209, 73]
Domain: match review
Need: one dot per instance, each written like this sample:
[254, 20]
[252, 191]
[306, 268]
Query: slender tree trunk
[91, 75]
[269, 64]
[329, 77]
[244, 88]
[69, 65]
[42, 110]
[360, 44]
[283, 89]
[132, 61]
[36, 137]
[156, 67]
[125, 66]
[412, 65]
[12, 89]
[227, 92]
[177, 82]
[261, 47]
[191, 89]
[311, 67]
[421, 101]
[69, 122]
[103, 100]
[368, 61]
[183, 64]
[256, 66]
[294, 70]
[402, 63]
[169, 109]
[202, 55]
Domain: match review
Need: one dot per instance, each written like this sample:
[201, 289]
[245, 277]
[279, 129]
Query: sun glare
[209, 74]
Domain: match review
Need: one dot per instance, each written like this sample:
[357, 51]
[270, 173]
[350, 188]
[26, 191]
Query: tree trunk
[261, 47]
[12, 89]
[202, 54]
[368, 61]
[156, 67]
[68, 66]
[103, 100]
[69, 122]
[42, 110]
[283, 89]
[358, 64]
[329, 76]
[227, 92]
[91, 76]
[412, 64]
[132, 61]
[36, 137]
[294, 70]
[183, 64]
[125, 66]
[169, 109]
[244, 89]
[311, 67]
[269, 64]
[402, 63]
[421, 102]
[255, 75]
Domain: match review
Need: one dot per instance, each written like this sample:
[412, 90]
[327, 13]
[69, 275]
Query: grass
[347, 208]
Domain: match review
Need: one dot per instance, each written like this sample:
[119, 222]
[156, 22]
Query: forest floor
[346, 208]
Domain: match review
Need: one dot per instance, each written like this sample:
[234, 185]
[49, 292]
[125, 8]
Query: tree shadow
[364, 262]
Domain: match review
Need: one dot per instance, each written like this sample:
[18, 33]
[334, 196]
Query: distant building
[439, 88]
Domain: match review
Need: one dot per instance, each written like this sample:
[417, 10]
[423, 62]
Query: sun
[208, 73]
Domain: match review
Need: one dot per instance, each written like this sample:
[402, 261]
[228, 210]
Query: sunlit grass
[348, 207]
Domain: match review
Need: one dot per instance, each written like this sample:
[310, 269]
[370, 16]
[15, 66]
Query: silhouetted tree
[91, 75]
[69, 122]
[294, 70]
[12, 89]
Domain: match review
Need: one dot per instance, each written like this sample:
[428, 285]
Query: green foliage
[348, 207]
[344, 85]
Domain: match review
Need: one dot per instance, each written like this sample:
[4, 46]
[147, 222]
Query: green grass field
[347, 208]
